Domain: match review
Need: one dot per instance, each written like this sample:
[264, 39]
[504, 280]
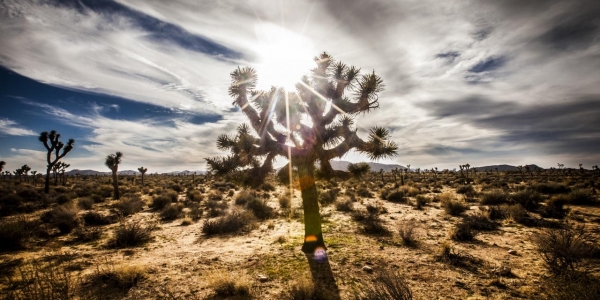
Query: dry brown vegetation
[501, 236]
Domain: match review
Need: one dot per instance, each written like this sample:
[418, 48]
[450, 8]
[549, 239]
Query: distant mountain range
[127, 172]
[336, 165]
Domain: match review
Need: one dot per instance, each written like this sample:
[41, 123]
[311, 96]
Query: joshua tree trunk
[115, 181]
[47, 182]
[313, 236]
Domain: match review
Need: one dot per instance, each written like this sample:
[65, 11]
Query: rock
[367, 269]
[512, 252]
[262, 278]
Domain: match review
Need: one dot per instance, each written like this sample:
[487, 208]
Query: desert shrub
[454, 207]
[171, 194]
[131, 234]
[97, 198]
[14, 233]
[195, 212]
[194, 195]
[235, 221]
[285, 201]
[11, 204]
[481, 221]
[215, 196]
[129, 205]
[551, 188]
[494, 197]
[372, 223]
[396, 196]
[244, 197]
[386, 285]
[104, 191]
[580, 287]
[443, 197]
[529, 199]
[494, 213]
[364, 192]
[87, 234]
[329, 196]
[63, 217]
[230, 286]
[554, 207]
[267, 187]
[563, 249]
[63, 198]
[36, 280]
[94, 218]
[344, 204]
[581, 197]
[421, 201]
[407, 234]
[176, 187]
[85, 203]
[160, 201]
[215, 208]
[465, 190]
[171, 212]
[260, 209]
[113, 282]
[517, 213]
[462, 232]
[303, 289]
[30, 195]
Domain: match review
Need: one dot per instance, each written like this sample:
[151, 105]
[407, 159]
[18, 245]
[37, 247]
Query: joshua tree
[62, 167]
[34, 177]
[2, 164]
[359, 170]
[53, 144]
[277, 117]
[25, 171]
[112, 162]
[142, 171]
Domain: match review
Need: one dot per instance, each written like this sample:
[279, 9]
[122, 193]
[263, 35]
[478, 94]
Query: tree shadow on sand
[322, 276]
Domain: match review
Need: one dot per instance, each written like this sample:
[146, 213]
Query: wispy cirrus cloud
[10, 127]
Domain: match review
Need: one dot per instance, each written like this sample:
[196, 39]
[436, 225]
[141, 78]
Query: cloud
[10, 127]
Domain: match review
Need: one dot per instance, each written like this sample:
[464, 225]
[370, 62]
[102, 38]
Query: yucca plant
[53, 144]
[277, 128]
[112, 162]
[142, 171]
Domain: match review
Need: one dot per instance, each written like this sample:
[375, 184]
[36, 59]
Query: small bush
[94, 218]
[267, 187]
[129, 205]
[386, 285]
[371, 222]
[284, 201]
[85, 203]
[462, 232]
[454, 207]
[244, 197]
[421, 201]
[63, 198]
[466, 190]
[159, 202]
[215, 208]
[235, 221]
[494, 197]
[14, 234]
[87, 234]
[481, 221]
[36, 280]
[551, 188]
[195, 212]
[104, 191]
[230, 286]
[64, 217]
[563, 249]
[171, 194]
[260, 209]
[344, 204]
[171, 212]
[581, 197]
[364, 192]
[528, 198]
[329, 196]
[407, 234]
[131, 234]
[396, 196]
[554, 207]
[114, 280]
[194, 196]
[302, 289]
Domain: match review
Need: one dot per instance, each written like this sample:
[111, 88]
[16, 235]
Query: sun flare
[283, 57]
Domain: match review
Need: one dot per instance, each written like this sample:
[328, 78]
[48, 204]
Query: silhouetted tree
[277, 118]
[112, 162]
[142, 171]
[25, 171]
[62, 167]
[359, 170]
[53, 144]
[2, 164]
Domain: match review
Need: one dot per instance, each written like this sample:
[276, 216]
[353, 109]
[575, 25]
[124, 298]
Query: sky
[479, 82]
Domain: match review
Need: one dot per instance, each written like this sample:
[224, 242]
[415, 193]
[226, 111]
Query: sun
[283, 57]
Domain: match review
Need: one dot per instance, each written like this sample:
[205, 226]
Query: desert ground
[436, 235]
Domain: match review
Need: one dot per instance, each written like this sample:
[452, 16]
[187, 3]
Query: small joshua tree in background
[359, 170]
[276, 117]
[112, 162]
[53, 144]
[142, 171]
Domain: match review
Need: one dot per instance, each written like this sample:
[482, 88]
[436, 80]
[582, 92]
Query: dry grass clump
[580, 287]
[236, 221]
[554, 207]
[462, 232]
[171, 212]
[285, 202]
[406, 232]
[14, 233]
[244, 196]
[85, 203]
[344, 204]
[230, 285]
[129, 205]
[112, 282]
[131, 234]
[396, 196]
[494, 197]
[581, 197]
[371, 221]
[453, 207]
[551, 188]
[160, 201]
[216, 208]
[385, 285]
[87, 234]
[443, 197]
[35, 280]
[95, 218]
[329, 196]
[302, 289]
[64, 217]
[563, 249]
[467, 189]
[481, 221]
[421, 201]
[528, 198]
[260, 209]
